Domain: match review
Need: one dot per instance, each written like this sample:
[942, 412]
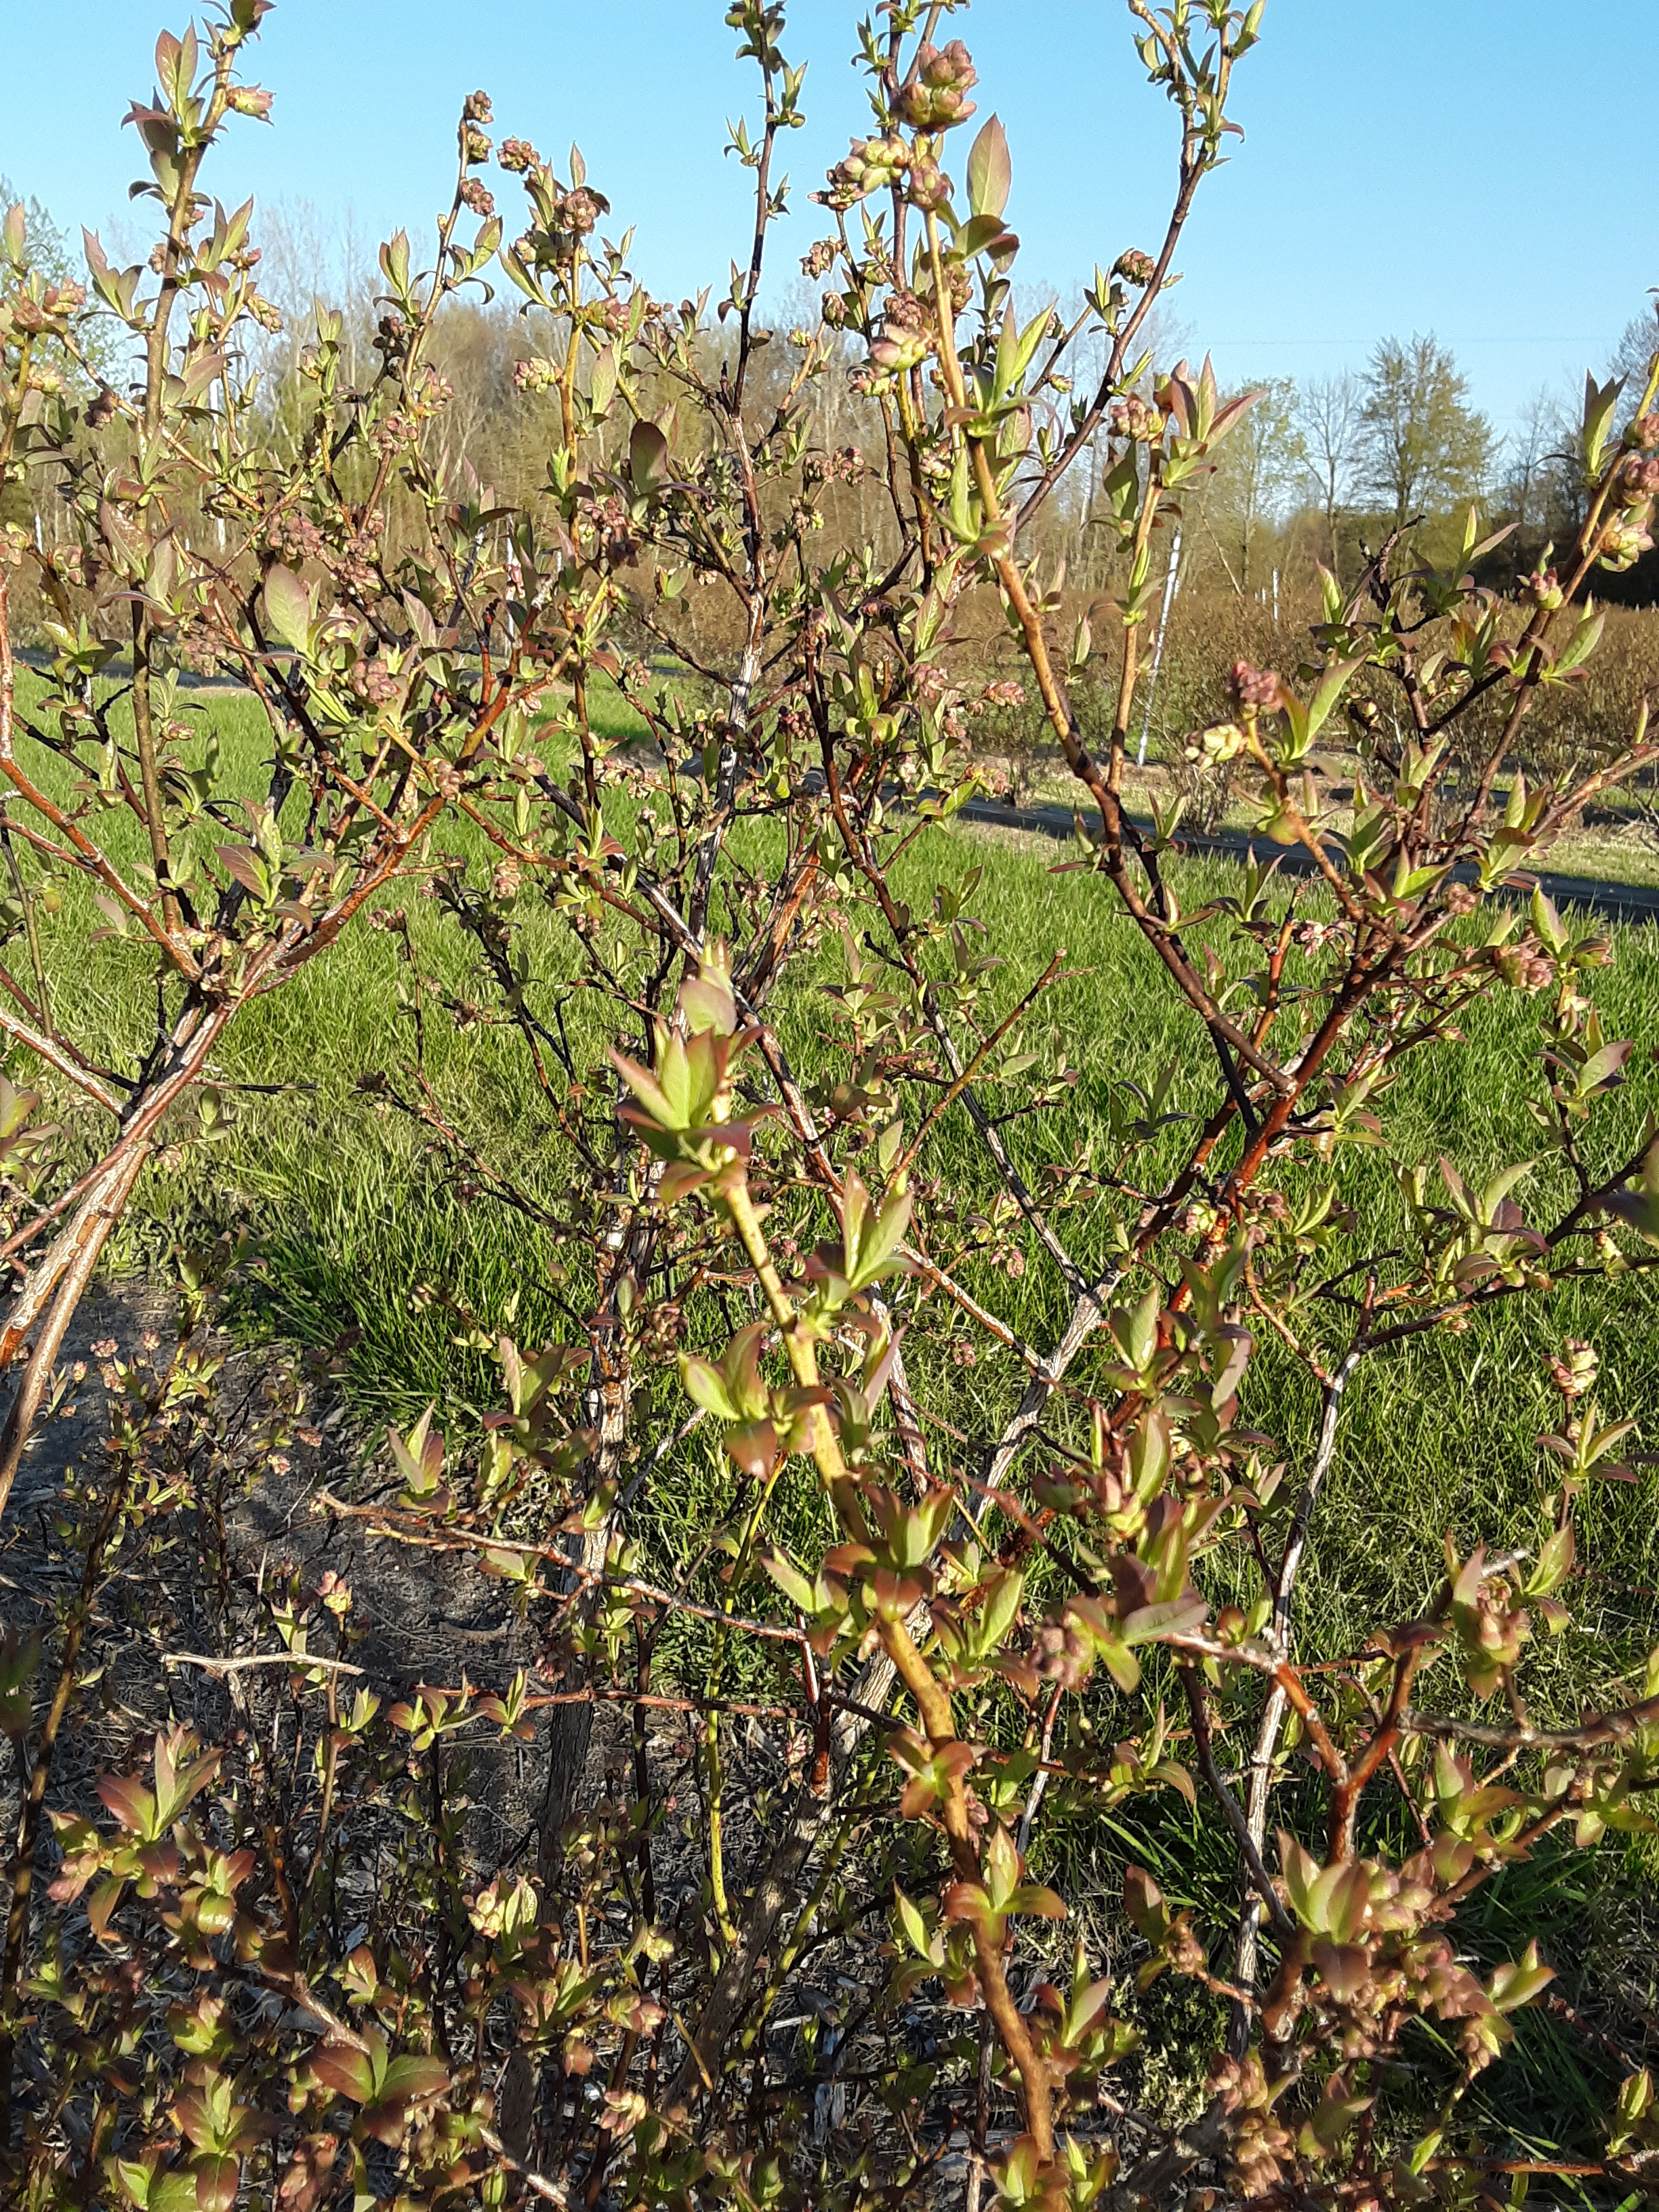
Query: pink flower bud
[250, 100]
[1643, 434]
[517, 156]
[1135, 267]
[478, 108]
[1255, 688]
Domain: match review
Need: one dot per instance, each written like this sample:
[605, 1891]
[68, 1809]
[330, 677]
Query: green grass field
[353, 1210]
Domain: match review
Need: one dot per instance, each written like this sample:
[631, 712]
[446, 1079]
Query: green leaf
[648, 456]
[287, 607]
[706, 1387]
[791, 1581]
[1600, 400]
[990, 172]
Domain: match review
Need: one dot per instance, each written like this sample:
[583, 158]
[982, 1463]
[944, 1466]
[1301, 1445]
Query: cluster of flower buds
[295, 537]
[1135, 267]
[374, 683]
[820, 258]
[1626, 539]
[906, 340]
[1461, 899]
[847, 466]
[580, 210]
[518, 156]
[871, 166]
[1643, 434]
[1254, 690]
[1221, 742]
[936, 96]
[1639, 478]
[49, 315]
[475, 145]
[1574, 1373]
[1526, 967]
[1134, 417]
[609, 521]
[393, 432]
[477, 196]
[930, 189]
[1543, 587]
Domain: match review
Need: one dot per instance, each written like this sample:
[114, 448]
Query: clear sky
[1410, 164]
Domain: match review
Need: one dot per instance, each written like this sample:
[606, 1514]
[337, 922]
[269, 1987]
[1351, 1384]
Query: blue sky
[1408, 165]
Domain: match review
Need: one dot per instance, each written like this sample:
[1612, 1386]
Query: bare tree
[1329, 414]
[1535, 453]
[1259, 466]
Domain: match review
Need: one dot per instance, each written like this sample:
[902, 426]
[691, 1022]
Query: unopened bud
[1574, 1373]
[937, 96]
[1255, 688]
[1135, 418]
[930, 188]
[1135, 267]
[1222, 741]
